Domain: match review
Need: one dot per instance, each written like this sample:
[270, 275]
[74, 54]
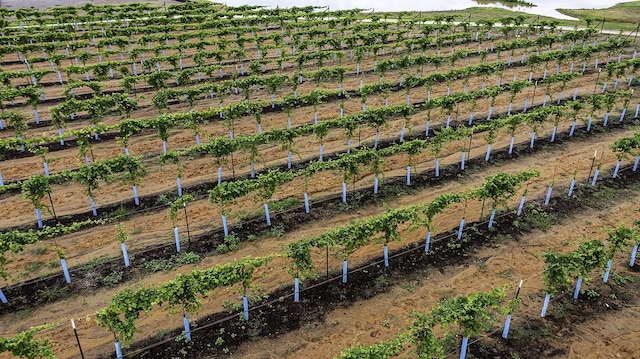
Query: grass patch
[507, 3]
[354, 202]
[276, 231]
[244, 215]
[396, 190]
[166, 199]
[230, 244]
[623, 16]
[34, 266]
[96, 262]
[285, 204]
[605, 194]
[119, 212]
[167, 264]
[634, 187]
[51, 294]
[39, 250]
[534, 219]
[112, 279]
[602, 198]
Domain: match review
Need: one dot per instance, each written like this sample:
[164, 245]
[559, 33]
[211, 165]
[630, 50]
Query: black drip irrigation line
[218, 231]
[513, 320]
[267, 108]
[414, 247]
[143, 89]
[319, 284]
[397, 88]
[383, 144]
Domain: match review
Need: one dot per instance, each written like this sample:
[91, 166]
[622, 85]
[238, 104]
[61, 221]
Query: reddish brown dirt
[52, 313]
[380, 318]
[362, 322]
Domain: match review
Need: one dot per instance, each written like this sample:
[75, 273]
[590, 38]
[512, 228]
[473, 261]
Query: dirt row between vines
[351, 82]
[351, 105]
[606, 334]
[54, 91]
[573, 155]
[155, 228]
[162, 178]
[149, 145]
[84, 245]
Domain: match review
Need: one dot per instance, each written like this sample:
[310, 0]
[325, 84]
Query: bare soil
[363, 320]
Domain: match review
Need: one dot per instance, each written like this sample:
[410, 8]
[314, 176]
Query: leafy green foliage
[620, 237]
[35, 188]
[229, 243]
[96, 107]
[472, 314]
[362, 232]
[167, 264]
[124, 309]
[502, 187]
[625, 147]
[562, 268]
[468, 316]
[178, 205]
[24, 345]
[16, 240]
[121, 233]
[383, 350]
[89, 175]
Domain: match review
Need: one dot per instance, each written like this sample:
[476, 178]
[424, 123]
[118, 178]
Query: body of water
[544, 7]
